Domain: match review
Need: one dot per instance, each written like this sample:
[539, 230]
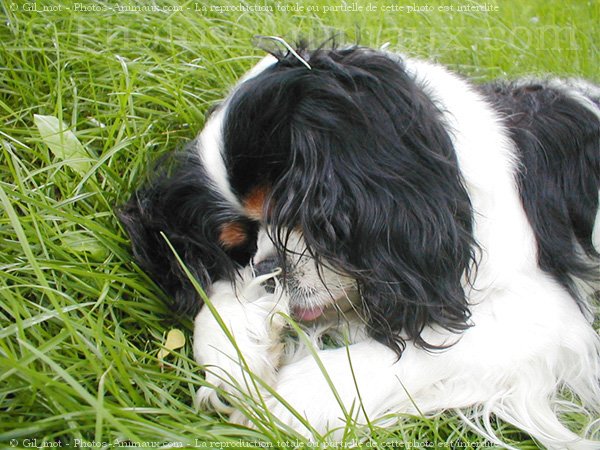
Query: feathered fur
[446, 230]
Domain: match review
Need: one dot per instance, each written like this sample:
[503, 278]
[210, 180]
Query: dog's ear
[210, 238]
[375, 188]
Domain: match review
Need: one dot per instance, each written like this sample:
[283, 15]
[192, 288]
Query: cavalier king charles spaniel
[437, 242]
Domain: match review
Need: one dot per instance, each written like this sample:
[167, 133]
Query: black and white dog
[447, 232]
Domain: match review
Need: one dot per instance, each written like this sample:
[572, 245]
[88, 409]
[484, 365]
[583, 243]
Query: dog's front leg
[237, 341]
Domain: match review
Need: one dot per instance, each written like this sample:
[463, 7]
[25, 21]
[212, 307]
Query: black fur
[182, 206]
[359, 160]
[357, 157]
[559, 147]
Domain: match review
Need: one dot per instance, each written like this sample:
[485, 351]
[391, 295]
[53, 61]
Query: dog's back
[556, 126]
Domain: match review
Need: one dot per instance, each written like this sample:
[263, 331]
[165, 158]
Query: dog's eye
[211, 109]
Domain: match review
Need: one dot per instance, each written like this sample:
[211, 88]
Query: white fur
[596, 230]
[210, 141]
[487, 163]
[528, 338]
[309, 278]
[251, 322]
[210, 147]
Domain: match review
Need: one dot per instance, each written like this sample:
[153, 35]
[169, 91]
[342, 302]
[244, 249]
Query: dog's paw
[237, 341]
[305, 402]
[212, 396]
[320, 394]
[270, 409]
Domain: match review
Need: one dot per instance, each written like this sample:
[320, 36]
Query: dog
[444, 235]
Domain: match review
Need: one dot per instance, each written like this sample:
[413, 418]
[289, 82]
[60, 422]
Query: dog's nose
[265, 267]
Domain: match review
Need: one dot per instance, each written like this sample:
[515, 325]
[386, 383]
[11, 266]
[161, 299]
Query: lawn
[124, 82]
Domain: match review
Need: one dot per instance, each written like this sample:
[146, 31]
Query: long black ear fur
[370, 176]
[180, 205]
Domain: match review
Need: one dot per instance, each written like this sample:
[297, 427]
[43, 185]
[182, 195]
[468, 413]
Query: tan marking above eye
[254, 202]
[232, 235]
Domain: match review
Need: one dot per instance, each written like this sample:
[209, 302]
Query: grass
[81, 325]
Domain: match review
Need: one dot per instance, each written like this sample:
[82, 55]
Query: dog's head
[335, 167]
